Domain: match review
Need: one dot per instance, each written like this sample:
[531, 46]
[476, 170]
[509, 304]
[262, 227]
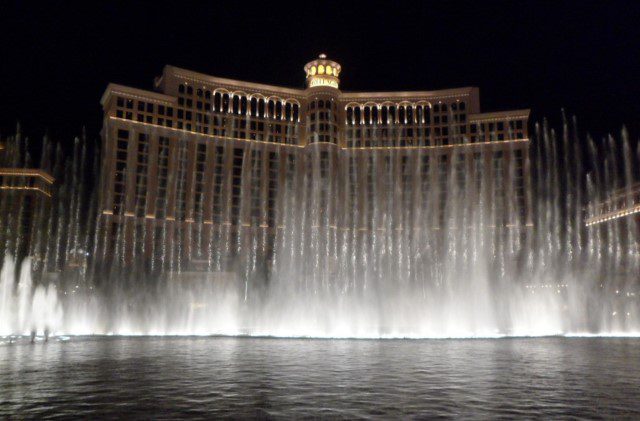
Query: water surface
[169, 377]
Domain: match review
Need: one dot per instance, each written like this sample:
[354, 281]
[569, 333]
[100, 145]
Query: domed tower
[322, 100]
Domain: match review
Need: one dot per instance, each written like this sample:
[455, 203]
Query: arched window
[410, 114]
[402, 117]
[320, 104]
[207, 94]
[253, 110]
[357, 115]
[181, 89]
[261, 107]
[270, 108]
[367, 115]
[217, 102]
[287, 111]
[392, 114]
[243, 105]
[384, 114]
[419, 114]
[374, 114]
[296, 112]
[279, 110]
[236, 104]
[225, 103]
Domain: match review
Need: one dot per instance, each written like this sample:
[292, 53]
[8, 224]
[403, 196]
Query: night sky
[57, 57]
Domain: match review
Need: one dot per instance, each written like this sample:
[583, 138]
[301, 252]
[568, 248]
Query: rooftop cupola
[322, 72]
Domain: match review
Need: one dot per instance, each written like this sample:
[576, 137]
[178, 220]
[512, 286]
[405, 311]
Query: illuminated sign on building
[322, 72]
[323, 81]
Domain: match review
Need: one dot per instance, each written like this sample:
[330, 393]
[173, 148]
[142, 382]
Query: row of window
[420, 113]
[143, 168]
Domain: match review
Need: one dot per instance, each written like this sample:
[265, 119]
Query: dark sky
[56, 58]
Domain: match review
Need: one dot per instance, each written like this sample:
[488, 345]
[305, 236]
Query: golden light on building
[322, 72]
[214, 132]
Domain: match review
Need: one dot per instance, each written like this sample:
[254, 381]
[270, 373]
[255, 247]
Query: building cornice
[409, 95]
[27, 172]
[135, 93]
[231, 84]
[342, 148]
[265, 89]
[500, 115]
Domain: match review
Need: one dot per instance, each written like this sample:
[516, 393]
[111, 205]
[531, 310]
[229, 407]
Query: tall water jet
[323, 215]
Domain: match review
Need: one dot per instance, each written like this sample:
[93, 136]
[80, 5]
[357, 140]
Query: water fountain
[474, 276]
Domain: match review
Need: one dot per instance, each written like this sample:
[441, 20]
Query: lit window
[329, 70]
[313, 70]
[321, 69]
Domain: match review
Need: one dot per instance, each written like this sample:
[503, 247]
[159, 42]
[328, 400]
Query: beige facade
[24, 193]
[621, 204]
[213, 152]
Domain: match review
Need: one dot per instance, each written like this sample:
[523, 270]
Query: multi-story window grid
[218, 152]
[218, 186]
[162, 177]
[142, 168]
[182, 182]
[255, 217]
[236, 186]
[200, 185]
[120, 173]
[272, 192]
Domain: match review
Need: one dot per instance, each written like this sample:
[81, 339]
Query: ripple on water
[249, 377]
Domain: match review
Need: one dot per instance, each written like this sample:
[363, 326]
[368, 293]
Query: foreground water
[171, 377]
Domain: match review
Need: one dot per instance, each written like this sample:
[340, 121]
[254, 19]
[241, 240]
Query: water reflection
[244, 377]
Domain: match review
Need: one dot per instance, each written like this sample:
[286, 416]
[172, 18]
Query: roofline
[443, 93]
[134, 92]
[500, 115]
[28, 172]
[201, 77]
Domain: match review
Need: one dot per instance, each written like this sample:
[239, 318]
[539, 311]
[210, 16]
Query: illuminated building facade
[214, 153]
[622, 204]
[24, 192]
[618, 213]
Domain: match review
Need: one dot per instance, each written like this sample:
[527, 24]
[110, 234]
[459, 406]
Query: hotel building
[621, 204]
[209, 154]
[24, 193]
